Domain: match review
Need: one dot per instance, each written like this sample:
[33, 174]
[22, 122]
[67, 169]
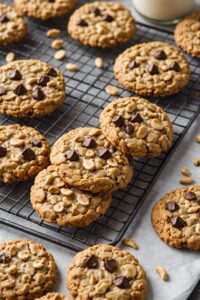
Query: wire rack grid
[86, 97]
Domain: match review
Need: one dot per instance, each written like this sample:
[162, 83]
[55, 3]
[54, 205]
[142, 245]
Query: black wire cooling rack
[85, 100]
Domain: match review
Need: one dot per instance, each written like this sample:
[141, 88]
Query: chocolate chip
[2, 90]
[4, 19]
[15, 75]
[191, 196]
[51, 1]
[3, 151]
[4, 258]
[136, 119]
[38, 94]
[72, 155]
[104, 153]
[172, 206]
[28, 154]
[177, 222]
[110, 265]
[91, 262]
[122, 282]
[161, 55]
[36, 143]
[107, 18]
[89, 143]
[133, 65]
[129, 128]
[153, 70]
[174, 66]
[118, 120]
[82, 23]
[96, 11]
[43, 80]
[20, 90]
[52, 72]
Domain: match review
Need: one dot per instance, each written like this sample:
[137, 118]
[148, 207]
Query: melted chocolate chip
[4, 258]
[52, 72]
[161, 55]
[129, 128]
[133, 65]
[28, 154]
[177, 222]
[43, 80]
[122, 282]
[191, 196]
[89, 143]
[38, 94]
[96, 11]
[2, 90]
[136, 119]
[4, 19]
[110, 265]
[174, 67]
[82, 23]
[72, 155]
[118, 120]
[153, 70]
[51, 1]
[108, 18]
[15, 75]
[20, 90]
[172, 206]
[3, 151]
[104, 153]
[91, 262]
[36, 143]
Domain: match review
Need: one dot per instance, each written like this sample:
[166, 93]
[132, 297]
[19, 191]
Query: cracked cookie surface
[44, 9]
[57, 202]
[27, 270]
[12, 26]
[102, 24]
[54, 296]
[86, 160]
[187, 34]
[106, 272]
[176, 218]
[137, 127]
[24, 152]
[152, 69]
[30, 88]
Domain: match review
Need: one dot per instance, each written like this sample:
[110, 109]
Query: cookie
[30, 88]
[12, 26]
[56, 202]
[86, 160]
[102, 24]
[44, 9]
[137, 127]
[54, 296]
[187, 34]
[27, 270]
[176, 218]
[152, 69]
[106, 272]
[24, 152]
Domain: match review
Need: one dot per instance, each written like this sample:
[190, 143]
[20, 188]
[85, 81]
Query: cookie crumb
[72, 67]
[130, 243]
[10, 57]
[99, 63]
[57, 44]
[196, 161]
[186, 180]
[162, 272]
[60, 55]
[197, 138]
[112, 90]
[185, 171]
[53, 32]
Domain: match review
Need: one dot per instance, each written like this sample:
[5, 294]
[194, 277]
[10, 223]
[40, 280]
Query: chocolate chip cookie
[152, 69]
[102, 24]
[176, 218]
[187, 34]
[86, 160]
[12, 26]
[24, 152]
[30, 88]
[54, 296]
[106, 272]
[137, 127]
[27, 270]
[57, 202]
[44, 9]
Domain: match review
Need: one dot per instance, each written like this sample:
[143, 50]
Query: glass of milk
[164, 11]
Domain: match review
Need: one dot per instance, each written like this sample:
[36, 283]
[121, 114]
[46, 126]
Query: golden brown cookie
[102, 24]
[137, 127]
[152, 69]
[176, 218]
[54, 296]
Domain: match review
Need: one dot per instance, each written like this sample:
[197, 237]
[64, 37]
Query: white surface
[183, 266]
